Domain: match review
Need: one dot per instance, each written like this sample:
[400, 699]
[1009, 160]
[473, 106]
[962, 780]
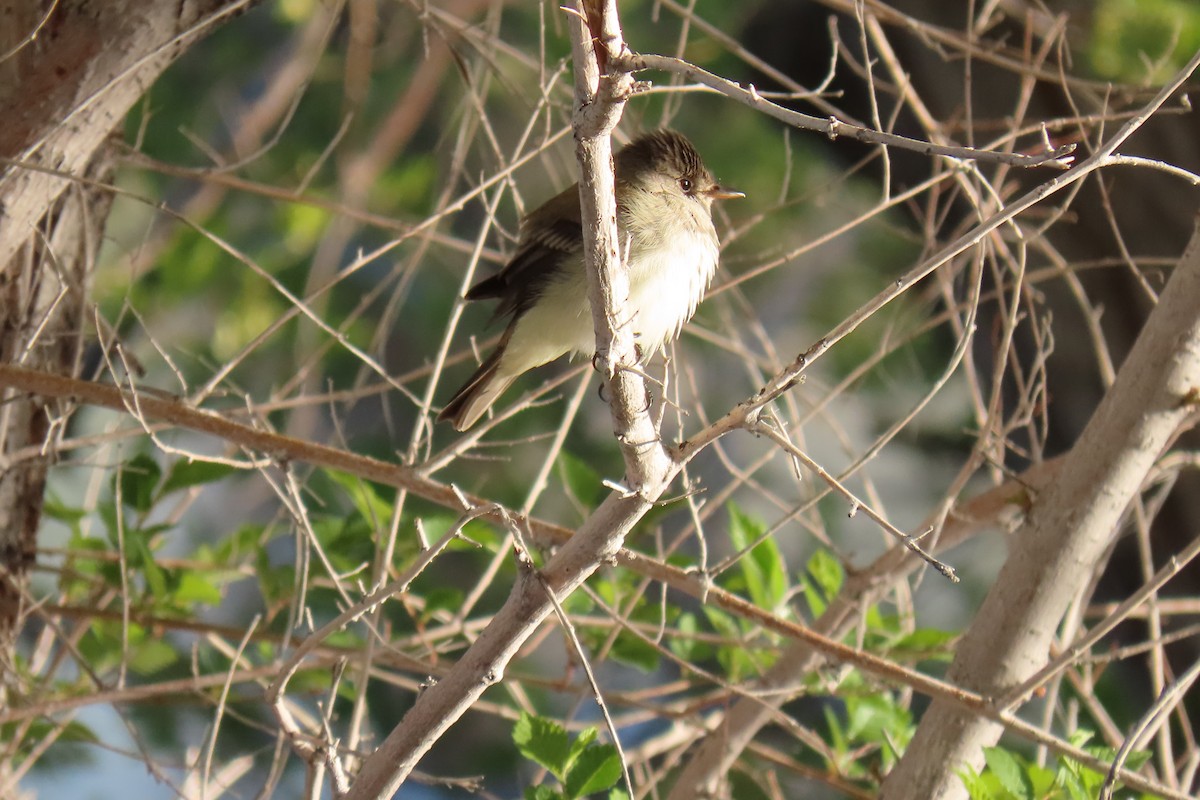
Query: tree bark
[71, 73]
[1069, 527]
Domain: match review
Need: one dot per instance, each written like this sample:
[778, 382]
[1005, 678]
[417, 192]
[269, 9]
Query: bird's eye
[685, 184]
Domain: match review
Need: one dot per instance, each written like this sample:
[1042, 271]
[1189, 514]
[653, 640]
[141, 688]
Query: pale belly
[665, 286]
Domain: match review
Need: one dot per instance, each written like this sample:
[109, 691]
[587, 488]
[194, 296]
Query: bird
[665, 196]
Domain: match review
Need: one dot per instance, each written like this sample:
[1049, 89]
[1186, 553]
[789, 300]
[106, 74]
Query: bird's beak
[723, 193]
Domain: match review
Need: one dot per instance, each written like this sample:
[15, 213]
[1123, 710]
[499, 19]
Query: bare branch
[1059, 158]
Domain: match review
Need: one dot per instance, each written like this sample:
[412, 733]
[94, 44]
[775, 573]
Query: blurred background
[301, 201]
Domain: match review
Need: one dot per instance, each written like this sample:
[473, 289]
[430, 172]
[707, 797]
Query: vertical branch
[1066, 532]
[595, 34]
[600, 96]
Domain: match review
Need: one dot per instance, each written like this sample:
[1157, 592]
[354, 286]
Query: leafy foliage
[1009, 776]
[581, 767]
[306, 196]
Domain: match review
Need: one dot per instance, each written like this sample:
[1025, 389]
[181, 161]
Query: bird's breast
[666, 282]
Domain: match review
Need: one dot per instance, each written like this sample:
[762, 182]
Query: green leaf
[1068, 779]
[442, 598]
[1042, 781]
[197, 588]
[924, 643]
[156, 579]
[1081, 736]
[596, 769]
[54, 508]
[186, 473]
[138, 479]
[66, 752]
[1143, 41]
[580, 743]
[636, 652]
[233, 547]
[152, 655]
[302, 226]
[365, 496]
[869, 718]
[542, 741]
[976, 786]
[745, 529]
[39, 729]
[542, 793]
[733, 657]
[310, 682]
[1010, 771]
[762, 567]
[578, 603]
[837, 734]
[685, 644]
[769, 559]
[1135, 760]
[75, 732]
[743, 786]
[436, 525]
[581, 481]
[825, 576]
[275, 582]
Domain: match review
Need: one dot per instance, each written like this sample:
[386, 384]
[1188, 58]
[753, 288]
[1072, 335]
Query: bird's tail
[478, 393]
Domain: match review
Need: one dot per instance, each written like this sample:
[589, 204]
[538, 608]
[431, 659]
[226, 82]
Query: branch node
[832, 133]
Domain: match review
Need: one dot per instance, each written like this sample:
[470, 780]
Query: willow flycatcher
[664, 220]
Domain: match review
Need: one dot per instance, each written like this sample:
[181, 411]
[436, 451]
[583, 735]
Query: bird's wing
[544, 244]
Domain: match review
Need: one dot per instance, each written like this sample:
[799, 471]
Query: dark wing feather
[549, 236]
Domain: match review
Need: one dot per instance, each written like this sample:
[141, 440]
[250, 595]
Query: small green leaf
[442, 598]
[54, 508]
[1010, 771]
[774, 571]
[1081, 736]
[975, 784]
[837, 734]
[598, 768]
[472, 535]
[542, 793]
[152, 655]
[827, 572]
[1143, 41]
[1042, 781]
[762, 568]
[873, 718]
[156, 579]
[275, 582]
[367, 499]
[578, 603]
[1135, 760]
[743, 786]
[734, 657]
[580, 743]
[68, 749]
[1069, 780]
[139, 478]
[542, 741]
[685, 644]
[245, 542]
[186, 473]
[636, 652]
[197, 588]
[923, 644]
[39, 729]
[580, 479]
